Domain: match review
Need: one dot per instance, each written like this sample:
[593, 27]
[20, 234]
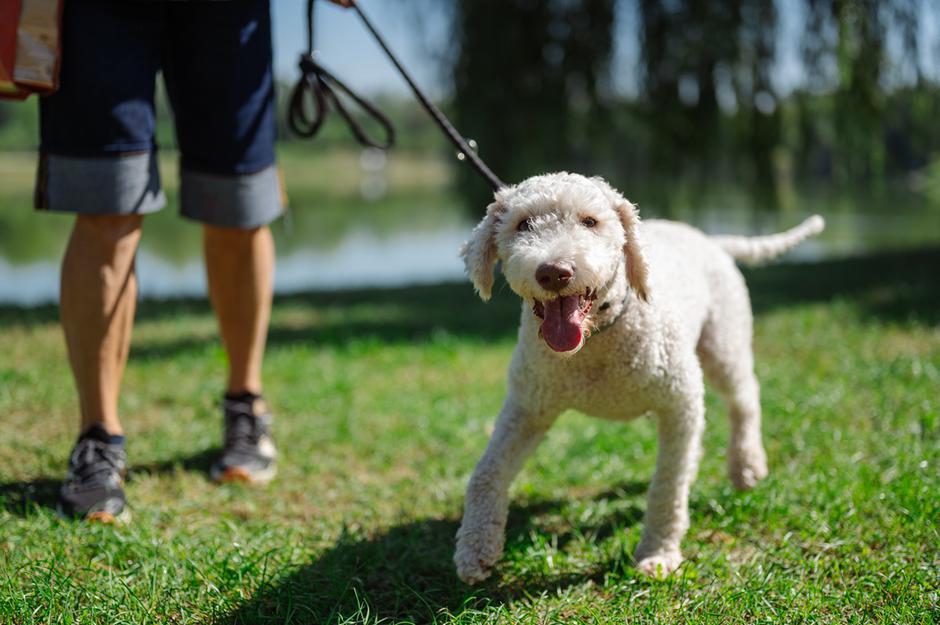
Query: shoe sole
[101, 516]
[240, 475]
[110, 519]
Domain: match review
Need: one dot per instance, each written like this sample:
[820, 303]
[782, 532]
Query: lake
[360, 219]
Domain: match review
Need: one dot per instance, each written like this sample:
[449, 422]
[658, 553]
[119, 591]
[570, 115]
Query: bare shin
[240, 267]
[98, 296]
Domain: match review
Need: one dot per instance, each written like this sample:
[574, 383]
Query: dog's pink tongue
[561, 328]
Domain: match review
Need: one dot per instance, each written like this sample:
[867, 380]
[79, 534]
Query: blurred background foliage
[736, 116]
[705, 97]
[534, 82]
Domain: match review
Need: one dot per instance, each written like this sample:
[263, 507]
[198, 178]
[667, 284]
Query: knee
[107, 230]
[233, 236]
[237, 244]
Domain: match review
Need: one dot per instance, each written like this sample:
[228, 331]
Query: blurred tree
[527, 78]
[531, 83]
[857, 54]
[759, 109]
[684, 44]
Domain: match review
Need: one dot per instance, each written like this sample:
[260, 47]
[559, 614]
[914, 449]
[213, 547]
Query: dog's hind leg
[667, 511]
[482, 532]
[725, 352]
[747, 460]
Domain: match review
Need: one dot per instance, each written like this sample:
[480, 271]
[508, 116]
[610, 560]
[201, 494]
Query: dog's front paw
[746, 467]
[477, 552]
[659, 565]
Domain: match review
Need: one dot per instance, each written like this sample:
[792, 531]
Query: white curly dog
[619, 319]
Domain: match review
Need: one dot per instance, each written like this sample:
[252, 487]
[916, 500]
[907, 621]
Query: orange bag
[30, 47]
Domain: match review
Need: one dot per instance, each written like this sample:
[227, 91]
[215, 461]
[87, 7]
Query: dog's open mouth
[563, 318]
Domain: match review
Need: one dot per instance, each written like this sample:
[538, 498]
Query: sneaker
[94, 486]
[249, 455]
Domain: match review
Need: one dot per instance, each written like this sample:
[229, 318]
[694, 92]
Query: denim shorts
[98, 151]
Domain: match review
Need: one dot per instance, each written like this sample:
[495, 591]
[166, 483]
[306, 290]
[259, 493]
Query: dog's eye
[588, 222]
[524, 226]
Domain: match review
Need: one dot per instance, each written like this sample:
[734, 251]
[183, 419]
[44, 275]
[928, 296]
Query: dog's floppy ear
[480, 254]
[637, 268]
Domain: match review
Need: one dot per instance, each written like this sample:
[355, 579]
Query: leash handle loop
[297, 118]
[320, 87]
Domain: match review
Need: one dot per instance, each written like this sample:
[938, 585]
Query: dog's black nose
[554, 276]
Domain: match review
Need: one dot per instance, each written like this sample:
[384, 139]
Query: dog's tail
[759, 249]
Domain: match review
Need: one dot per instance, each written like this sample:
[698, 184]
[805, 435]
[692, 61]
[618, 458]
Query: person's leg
[97, 302]
[97, 161]
[240, 267]
[222, 92]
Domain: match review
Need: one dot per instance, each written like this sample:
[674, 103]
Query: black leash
[320, 83]
[320, 86]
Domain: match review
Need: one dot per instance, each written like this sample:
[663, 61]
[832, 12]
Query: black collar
[607, 303]
[605, 306]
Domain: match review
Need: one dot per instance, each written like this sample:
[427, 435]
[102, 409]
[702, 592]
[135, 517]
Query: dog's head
[563, 240]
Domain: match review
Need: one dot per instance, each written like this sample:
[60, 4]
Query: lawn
[384, 400]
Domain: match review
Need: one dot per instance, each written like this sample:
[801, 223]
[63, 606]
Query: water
[355, 225]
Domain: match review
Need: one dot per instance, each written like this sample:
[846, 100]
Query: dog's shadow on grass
[22, 497]
[406, 573]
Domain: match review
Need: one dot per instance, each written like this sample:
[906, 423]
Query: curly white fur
[672, 305]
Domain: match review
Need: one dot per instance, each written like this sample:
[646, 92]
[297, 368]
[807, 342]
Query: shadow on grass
[24, 496]
[199, 462]
[891, 287]
[897, 287]
[20, 498]
[335, 319]
[406, 573]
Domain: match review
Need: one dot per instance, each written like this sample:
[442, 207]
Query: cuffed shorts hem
[240, 201]
[129, 184]
[120, 185]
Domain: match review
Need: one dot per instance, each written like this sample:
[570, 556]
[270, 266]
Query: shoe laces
[93, 462]
[243, 429]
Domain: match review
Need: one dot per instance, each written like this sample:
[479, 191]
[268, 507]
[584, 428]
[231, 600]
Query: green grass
[384, 401]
